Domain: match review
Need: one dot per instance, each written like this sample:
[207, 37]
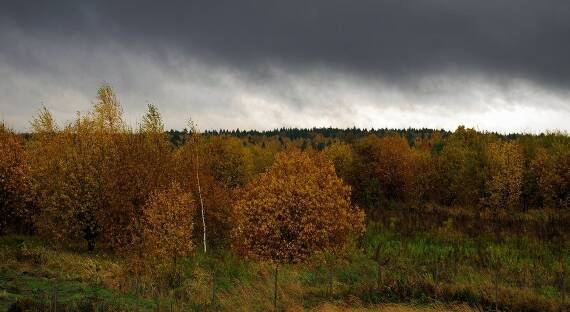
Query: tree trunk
[380, 277]
[436, 275]
[275, 289]
[90, 236]
[330, 282]
[213, 290]
[497, 288]
[563, 290]
[201, 200]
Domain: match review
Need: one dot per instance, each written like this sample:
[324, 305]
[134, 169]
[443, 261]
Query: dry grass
[328, 307]
[29, 257]
[29, 267]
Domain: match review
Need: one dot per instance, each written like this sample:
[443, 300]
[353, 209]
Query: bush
[30, 255]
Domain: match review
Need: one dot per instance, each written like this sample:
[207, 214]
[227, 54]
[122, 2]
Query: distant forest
[342, 134]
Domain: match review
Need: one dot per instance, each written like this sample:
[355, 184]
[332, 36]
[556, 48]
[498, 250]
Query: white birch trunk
[201, 200]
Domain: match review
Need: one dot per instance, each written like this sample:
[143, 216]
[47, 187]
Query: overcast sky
[501, 65]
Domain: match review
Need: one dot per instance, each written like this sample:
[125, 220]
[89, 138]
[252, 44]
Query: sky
[496, 65]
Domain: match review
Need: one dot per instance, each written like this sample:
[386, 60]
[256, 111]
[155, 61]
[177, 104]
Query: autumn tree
[65, 175]
[463, 168]
[229, 161]
[195, 176]
[15, 201]
[424, 166]
[366, 185]
[143, 163]
[107, 111]
[383, 171]
[48, 150]
[530, 195]
[100, 133]
[72, 170]
[552, 168]
[506, 175]
[263, 154]
[168, 223]
[127, 167]
[296, 208]
[342, 157]
[85, 174]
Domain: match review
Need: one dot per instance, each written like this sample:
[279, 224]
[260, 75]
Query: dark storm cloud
[395, 39]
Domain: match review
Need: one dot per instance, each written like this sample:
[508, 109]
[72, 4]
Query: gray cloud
[394, 37]
[300, 63]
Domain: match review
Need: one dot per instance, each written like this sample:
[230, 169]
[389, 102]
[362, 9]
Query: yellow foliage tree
[107, 111]
[68, 177]
[463, 171]
[72, 170]
[48, 150]
[342, 156]
[506, 174]
[230, 163]
[194, 174]
[142, 164]
[552, 168]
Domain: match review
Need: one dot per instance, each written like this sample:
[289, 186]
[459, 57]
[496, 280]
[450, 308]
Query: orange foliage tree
[191, 166]
[94, 144]
[384, 170]
[168, 223]
[92, 178]
[296, 208]
[70, 172]
[15, 202]
[143, 162]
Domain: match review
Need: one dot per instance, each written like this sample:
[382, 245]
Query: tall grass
[434, 269]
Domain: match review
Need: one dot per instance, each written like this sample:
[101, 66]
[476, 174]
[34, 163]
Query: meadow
[427, 271]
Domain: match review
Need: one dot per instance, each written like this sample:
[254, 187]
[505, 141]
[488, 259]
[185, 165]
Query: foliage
[15, 206]
[230, 162]
[168, 223]
[384, 171]
[553, 174]
[190, 162]
[296, 208]
[62, 188]
[463, 168]
[342, 156]
[505, 182]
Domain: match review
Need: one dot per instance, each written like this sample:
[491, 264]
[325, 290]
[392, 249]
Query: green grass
[41, 278]
[517, 274]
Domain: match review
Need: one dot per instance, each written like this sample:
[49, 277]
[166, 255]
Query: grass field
[428, 272]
